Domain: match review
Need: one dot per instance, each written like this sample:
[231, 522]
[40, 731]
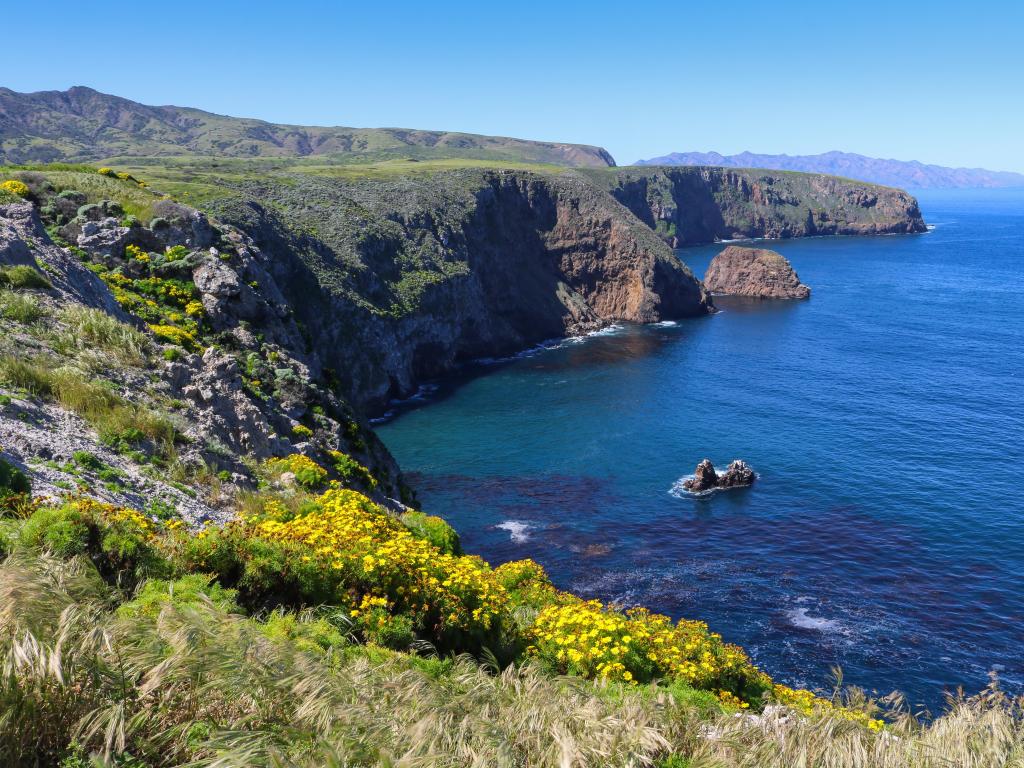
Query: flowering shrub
[15, 187]
[360, 551]
[106, 172]
[589, 639]
[308, 473]
[172, 334]
[301, 430]
[136, 253]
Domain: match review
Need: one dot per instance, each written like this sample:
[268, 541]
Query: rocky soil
[756, 272]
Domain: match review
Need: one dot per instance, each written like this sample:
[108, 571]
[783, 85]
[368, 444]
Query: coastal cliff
[401, 279]
[692, 205]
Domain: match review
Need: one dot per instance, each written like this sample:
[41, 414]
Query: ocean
[884, 417]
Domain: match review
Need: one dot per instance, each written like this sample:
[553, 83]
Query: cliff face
[405, 278]
[698, 205]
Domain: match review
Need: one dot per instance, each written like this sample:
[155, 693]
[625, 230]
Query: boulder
[737, 474]
[705, 478]
[756, 272]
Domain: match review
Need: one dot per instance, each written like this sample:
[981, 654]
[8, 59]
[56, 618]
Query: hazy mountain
[83, 124]
[894, 173]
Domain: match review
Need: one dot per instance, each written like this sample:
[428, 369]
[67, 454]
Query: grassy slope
[83, 124]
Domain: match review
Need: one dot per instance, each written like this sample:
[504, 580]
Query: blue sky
[939, 82]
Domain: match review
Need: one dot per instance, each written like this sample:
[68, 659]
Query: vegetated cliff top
[894, 173]
[83, 124]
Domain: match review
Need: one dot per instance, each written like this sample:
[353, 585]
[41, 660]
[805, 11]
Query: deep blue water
[885, 417]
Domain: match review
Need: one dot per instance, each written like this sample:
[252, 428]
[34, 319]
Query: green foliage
[121, 543]
[14, 484]
[308, 631]
[432, 529]
[22, 276]
[187, 591]
[87, 460]
[351, 471]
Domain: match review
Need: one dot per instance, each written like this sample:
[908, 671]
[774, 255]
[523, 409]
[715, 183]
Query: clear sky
[938, 81]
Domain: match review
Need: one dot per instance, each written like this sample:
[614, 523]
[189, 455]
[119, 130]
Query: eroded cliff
[690, 205]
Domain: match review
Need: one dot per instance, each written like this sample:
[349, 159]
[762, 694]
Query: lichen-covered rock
[756, 272]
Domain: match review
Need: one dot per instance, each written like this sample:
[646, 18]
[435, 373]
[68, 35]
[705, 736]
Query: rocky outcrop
[705, 478]
[756, 272]
[690, 205]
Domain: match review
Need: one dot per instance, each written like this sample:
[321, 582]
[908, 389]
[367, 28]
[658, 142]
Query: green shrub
[20, 307]
[121, 543]
[14, 487]
[23, 276]
[307, 631]
[433, 529]
[187, 591]
[87, 460]
[351, 470]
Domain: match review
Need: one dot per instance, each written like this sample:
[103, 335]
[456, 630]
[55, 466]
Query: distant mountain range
[892, 173]
[86, 125]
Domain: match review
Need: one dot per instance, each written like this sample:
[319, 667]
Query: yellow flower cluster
[590, 639]
[194, 308]
[369, 550]
[134, 252]
[15, 187]
[806, 702]
[173, 335]
[113, 515]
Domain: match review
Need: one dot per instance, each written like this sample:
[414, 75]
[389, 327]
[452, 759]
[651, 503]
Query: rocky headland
[692, 205]
[756, 272]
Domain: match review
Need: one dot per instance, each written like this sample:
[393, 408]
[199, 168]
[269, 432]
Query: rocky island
[756, 272]
[705, 478]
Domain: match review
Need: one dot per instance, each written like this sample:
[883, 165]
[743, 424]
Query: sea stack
[756, 272]
[705, 478]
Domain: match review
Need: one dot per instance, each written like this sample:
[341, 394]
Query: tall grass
[20, 307]
[91, 329]
[114, 418]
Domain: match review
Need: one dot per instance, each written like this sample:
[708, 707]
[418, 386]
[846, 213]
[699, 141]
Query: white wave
[666, 324]
[518, 530]
[799, 617]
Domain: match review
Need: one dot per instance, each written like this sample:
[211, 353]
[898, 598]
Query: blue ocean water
[885, 417]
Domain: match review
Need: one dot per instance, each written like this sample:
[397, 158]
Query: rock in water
[756, 272]
[705, 478]
[738, 474]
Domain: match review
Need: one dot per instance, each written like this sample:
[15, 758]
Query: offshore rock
[705, 478]
[756, 272]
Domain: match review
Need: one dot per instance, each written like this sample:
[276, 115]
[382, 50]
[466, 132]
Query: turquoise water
[885, 417]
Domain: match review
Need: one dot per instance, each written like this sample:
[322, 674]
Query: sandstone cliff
[756, 272]
[690, 205]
